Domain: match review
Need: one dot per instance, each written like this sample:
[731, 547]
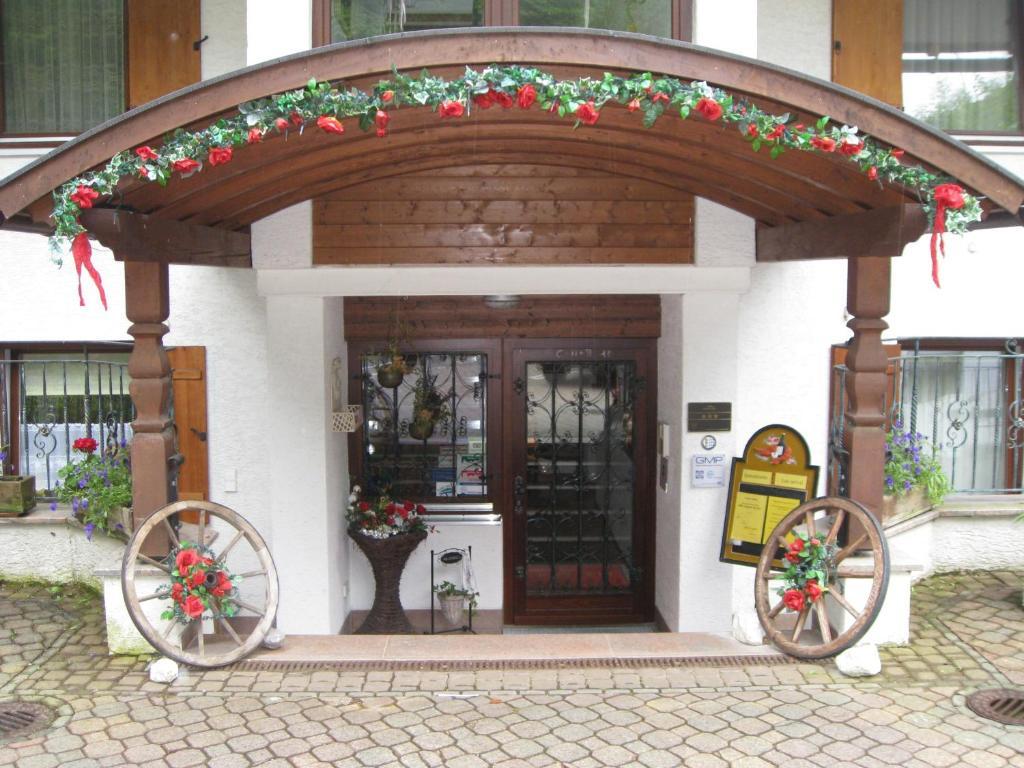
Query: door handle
[197, 433]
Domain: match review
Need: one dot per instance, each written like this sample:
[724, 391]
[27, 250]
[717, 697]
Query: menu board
[772, 478]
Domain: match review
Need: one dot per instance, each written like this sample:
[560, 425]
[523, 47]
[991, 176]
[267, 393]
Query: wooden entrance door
[580, 480]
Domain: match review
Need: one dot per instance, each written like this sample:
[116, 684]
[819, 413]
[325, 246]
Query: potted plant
[914, 479]
[453, 601]
[17, 492]
[387, 532]
[392, 372]
[429, 407]
[98, 487]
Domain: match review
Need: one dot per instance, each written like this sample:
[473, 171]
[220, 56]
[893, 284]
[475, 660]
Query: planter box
[905, 506]
[17, 494]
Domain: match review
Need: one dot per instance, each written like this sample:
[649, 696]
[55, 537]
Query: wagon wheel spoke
[823, 519]
[150, 600]
[839, 598]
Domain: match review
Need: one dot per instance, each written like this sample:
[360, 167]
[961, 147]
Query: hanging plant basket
[453, 607]
[347, 419]
[390, 375]
[421, 429]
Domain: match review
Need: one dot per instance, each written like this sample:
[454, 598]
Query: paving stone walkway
[968, 633]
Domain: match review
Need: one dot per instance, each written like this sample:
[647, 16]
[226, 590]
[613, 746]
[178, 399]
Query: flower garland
[806, 576]
[200, 586]
[949, 207]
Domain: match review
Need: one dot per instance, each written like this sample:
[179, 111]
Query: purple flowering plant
[96, 484]
[910, 462]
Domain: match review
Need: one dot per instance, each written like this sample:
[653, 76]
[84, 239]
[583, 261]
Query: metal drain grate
[1004, 705]
[19, 718]
[385, 665]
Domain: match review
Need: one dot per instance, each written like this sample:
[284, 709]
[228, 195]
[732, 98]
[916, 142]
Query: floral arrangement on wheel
[200, 586]
[95, 486]
[805, 579]
[383, 517]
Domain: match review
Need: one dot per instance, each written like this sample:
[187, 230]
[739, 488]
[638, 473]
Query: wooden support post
[147, 302]
[867, 300]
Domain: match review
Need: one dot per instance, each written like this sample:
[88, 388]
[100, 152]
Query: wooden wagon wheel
[240, 587]
[816, 518]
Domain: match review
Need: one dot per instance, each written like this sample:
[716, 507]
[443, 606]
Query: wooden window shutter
[867, 47]
[162, 52]
[188, 379]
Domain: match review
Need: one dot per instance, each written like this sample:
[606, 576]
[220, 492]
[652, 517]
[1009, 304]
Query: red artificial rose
[659, 96]
[587, 113]
[794, 599]
[824, 143]
[526, 96]
[633, 105]
[281, 124]
[504, 99]
[193, 607]
[812, 590]
[143, 174]
[147, 153]
[364, 506]
[897, 153]
[255, 136]
[752, 130]
[387, 96]
[797, 545]
[799, 127]
[793, 557]
[404, 513]
[420, 509]
[85, 445]
[185, 560]
[198, 579]
[452, 109]
[710, 108]
[409, 506]
[223, 585]
[185, 166]
[872, 173]
[296, 119]
[484, 100]
[83, 196]
[381, 121]
[177, 592]
[330, 124]
[815, 542]
[391, 519]
[776, 132]
[850, 148]
[220, 155]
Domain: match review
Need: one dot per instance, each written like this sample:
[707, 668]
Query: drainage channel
[23, 718]
[1004, 705]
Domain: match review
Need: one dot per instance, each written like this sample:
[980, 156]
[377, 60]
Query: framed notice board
[772, 478]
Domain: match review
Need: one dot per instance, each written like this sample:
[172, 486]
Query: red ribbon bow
[81, 249]
[946, 196]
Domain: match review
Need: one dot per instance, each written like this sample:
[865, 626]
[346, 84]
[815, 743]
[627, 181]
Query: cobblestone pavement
[968, 633]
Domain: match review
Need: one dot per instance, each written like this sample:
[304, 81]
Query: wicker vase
[387, 558]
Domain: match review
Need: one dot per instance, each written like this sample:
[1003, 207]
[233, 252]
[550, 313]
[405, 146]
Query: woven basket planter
[387, 559]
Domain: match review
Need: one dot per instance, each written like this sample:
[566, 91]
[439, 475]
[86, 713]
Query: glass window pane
[353, 19]
[63, 64]
[426, 431]
[958, 69]
[651, 17]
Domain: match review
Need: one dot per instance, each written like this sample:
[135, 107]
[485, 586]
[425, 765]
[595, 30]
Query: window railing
[968, 407]
[47, 404]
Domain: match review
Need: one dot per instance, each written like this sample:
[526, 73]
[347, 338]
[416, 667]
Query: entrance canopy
[806, 204]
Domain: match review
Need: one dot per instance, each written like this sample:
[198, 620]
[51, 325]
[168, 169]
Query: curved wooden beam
[553, 48]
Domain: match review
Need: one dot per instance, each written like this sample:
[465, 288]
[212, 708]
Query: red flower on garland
[812, 590]
[633, 105]
[484, 100]
[220, 155]
[526, 96]
[223, 585]
[185, 166]
[946, 196]
[387, 96]
[504, 99]
[452, 109]
[381, 121]
[186, 560]
[793, 557]
[178, 592]
[255, 136]
[850, 148]
[752, 131]
[83, 196]
[281, 124]
[897, 153]
[85, 445]
[776, 132]
[794, 599]
[824, 143]
[872, 173]
[659, 96]
[797, 545]
[296, 119]
[193, 606]
[330, 124]
[147, 153]
[198, 579]
[709, 108]
[587, 113]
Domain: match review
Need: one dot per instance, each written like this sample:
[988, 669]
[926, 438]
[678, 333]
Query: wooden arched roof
[815, 192]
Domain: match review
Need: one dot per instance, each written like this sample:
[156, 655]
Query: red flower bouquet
[200, 586]
[383, 517]
[805, 579]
